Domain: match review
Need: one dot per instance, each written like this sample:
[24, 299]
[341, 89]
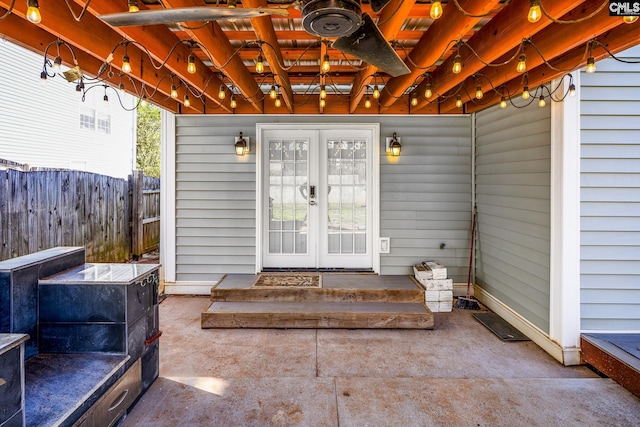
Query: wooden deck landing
[344, 301]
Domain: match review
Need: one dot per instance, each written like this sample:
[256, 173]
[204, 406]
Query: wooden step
[370, 315]
[318, 295]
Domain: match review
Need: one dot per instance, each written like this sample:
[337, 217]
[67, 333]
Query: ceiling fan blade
[368, 44]
[377, 5]
[186, 14]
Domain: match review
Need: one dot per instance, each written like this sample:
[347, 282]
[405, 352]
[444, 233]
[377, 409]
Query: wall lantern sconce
[393, 145]
[242, 145]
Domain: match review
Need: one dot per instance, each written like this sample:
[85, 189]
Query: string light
[259, 64]
[186, 101]
[323, 103]
[126, 65]
[326, 65]
[629, 19]
[376, 92]
[458, 101]
[43, 76]
[121, 88]
[174, 92]
[233, 104]
[457, 64]
[428, 92]
[479, 93]
[221, 92]
[436, 10]
[33, 12]
[278, 103]
[414, 100]
[522, 64]
[572, 90]
[591, 65]
[273, 94]
[542, 102]
[535, 11]
[525, 93]
[56, 63]
[191, 64]
[367, 102]
[133, 6]
[503, 102]
[323, 92]
[143, 101]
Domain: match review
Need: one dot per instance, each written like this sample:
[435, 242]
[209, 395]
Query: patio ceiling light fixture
[242, 145]
[33, 12]
[393, 145]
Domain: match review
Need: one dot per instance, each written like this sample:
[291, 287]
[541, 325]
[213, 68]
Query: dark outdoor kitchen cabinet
[103, 308]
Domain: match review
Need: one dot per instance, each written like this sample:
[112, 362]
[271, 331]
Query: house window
[104, 123]
[88, 118]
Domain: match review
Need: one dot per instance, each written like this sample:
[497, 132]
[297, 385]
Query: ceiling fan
[355, 32]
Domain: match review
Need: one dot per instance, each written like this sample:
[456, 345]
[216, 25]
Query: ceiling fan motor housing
[331, 18]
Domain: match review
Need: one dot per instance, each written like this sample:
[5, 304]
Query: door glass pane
[288, 186]
[347, 196]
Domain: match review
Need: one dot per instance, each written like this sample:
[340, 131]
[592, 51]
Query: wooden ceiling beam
[97, 39]
[453, 25]
[552, 42]
[392, 18]
[214, 40]
[37, 39]
[504, 32]
[265, 32]
[292, 35]
[158, 41]
[616, 40]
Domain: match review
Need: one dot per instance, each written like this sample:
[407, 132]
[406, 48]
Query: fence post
[136, 184]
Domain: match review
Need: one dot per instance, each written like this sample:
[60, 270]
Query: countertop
[101, 273]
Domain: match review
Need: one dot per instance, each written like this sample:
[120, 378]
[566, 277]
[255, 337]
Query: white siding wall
[425, 196]
[40, 121]
[513, 162]
[610, 196]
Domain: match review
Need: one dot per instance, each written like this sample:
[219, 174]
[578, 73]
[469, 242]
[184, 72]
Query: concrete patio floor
[458, 374]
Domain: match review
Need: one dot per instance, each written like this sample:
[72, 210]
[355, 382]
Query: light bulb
[278, 103]
[542, 102]
[503, 103]
[221, 92]
[525, 93]
[436, 10]
[479, 93]
[191, 64]
[80, 86]
[56, 63]
[323, 103]
[591, 65]
[323, 92]
[629, 19]
[233, 104]
[376, 92]
[457, 64]
[43, 76]
[522, 64]
[572, 90]
[259, 65]
[273, 94]
[414, 100]
[33, 12]
[174, 92]
[121, 87]
[187, 103]
[326, 65]
[126, 65]
[367, 103]
[143, 101]
[133, 6]
[535, 11]
[428, 93]
[458, 102]
[105, 98]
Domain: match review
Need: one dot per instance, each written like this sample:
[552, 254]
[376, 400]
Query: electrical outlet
[385, 245]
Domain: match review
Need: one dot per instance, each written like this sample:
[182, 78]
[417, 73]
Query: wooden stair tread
[315, 307]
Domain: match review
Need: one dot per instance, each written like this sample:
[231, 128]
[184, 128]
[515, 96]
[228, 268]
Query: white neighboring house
[46, 123]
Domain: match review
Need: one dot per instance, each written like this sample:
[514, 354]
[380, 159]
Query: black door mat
[500, 327]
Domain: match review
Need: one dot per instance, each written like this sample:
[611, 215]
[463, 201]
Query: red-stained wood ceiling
[487, 34]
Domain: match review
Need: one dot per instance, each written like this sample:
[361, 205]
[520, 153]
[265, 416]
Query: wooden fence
[47, 208]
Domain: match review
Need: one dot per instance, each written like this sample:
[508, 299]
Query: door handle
[312, 195]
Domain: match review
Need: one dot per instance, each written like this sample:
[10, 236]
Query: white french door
[317, 198]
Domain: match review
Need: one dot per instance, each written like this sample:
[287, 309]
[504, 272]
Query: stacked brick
[439, 289]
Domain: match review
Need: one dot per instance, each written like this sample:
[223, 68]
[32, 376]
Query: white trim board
[168, 197]
[567, 356]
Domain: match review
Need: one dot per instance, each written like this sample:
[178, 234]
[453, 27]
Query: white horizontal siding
[425, 196]
[513, 198]
[610, 196]
[40, 121]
